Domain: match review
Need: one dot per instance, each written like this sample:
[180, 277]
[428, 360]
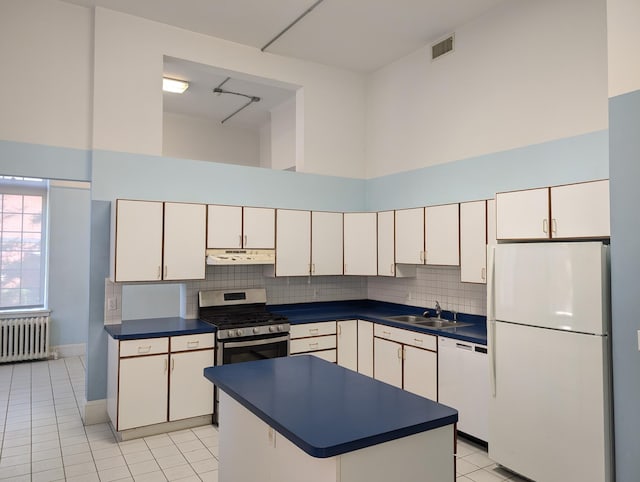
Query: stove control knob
[239, 333]
[272, 329]
[280, 327]
[256, 330]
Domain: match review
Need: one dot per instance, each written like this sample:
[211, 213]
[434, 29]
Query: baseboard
[159, 428]
[95, 411]
[65, 351]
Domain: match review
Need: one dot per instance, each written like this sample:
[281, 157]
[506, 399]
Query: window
[22, 242]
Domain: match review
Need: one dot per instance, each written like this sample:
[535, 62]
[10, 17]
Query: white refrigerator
[548, 315]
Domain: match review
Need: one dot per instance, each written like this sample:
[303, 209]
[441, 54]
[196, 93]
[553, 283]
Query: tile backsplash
[429, 284]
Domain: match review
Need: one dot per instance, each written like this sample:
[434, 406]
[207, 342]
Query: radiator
[24, 338]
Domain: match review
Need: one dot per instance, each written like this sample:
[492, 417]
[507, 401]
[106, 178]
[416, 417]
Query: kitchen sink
[438, 323]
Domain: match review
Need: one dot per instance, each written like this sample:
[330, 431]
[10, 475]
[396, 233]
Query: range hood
[241, 256]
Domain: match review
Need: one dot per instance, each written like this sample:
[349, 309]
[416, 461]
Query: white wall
[45, 54]
[265, 145]
[131, 121]
[522, 74]
[624, 46]
[283, 135]
[190, 137]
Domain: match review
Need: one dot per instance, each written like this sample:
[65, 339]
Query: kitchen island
[302, 418]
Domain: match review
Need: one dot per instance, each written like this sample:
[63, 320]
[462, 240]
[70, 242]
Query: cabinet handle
[339, 329]
[166, 365]
[554, 225]
[313, 331]
[173, 364]
[419, 341]
[400, 353]
[313, 345]
[239, 240]
[393, 269]
[144, 349]
[159, 272]
[313, 268]
[165, 271]
[245, 240]
[422, 256]
[388, 333]
[193, 344]
[483, 274]
[345, 268]
[545, 226]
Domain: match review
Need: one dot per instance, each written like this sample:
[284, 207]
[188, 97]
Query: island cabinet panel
[365, 348]
[360, 244]
[347, 339]
[293, 243]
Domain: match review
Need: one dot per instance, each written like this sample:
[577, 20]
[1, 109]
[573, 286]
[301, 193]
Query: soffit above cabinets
[359, 35]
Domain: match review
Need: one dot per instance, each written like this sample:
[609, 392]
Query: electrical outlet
[112, 304]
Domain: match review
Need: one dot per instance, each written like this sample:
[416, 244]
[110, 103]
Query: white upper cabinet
[158, 241]
[443, 235]
[410, 236]
[560, 212]
[473, 242]
[184, 241]
[138, 230]
[360, 244]
[491, 222]
[386, 244]
[293, 243]
[523, 214]
[580, 210]
[231, 227]
[259, 226]
[326, 243]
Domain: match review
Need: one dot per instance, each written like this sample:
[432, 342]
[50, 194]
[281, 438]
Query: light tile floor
[473, 464]
[43, 438]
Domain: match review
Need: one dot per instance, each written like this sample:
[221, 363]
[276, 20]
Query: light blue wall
[624, 122]
[562, 161]
[119, 175]
[69, 214]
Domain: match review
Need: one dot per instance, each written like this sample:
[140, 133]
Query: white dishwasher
[463, 383]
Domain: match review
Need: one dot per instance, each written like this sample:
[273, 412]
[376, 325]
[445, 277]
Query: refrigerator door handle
[491, 317]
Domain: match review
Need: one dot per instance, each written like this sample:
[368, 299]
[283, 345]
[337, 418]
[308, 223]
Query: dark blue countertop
[377, 311]
[325, 409]
[157, 327]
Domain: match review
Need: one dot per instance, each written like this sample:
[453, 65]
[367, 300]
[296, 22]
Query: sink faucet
[438, 309]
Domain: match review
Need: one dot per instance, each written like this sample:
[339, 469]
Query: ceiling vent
[442, 47]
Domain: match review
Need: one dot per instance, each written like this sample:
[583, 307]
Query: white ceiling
[359, 35]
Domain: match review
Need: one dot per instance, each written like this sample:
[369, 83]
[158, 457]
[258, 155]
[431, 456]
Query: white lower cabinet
[406, 359]
[159, 380]
[348, 344]
[318, 339]
[365, 348]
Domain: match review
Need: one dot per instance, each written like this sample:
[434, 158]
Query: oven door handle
[266, 341]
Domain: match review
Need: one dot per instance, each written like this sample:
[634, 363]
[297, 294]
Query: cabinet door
[580, 210]
[473, 242]
[386, 243]
[184, 241]
[410, 236]
[365, 348]
[443, 235]
[138, 240]
[224, 226]
[523, 214]
[293, 242]
[142, 391]
[191, 394]
[387, 361]
[491, 222]
[348, 344]
[360, 244]
[421, 372]
[259, 228]
[326, 243]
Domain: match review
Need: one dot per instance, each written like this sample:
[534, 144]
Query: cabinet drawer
[407, 337]
[146, 346]
[328, 355]
[313, 329]
[192, 342]
[312, 344]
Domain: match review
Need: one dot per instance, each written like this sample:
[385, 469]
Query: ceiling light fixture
[174, 85]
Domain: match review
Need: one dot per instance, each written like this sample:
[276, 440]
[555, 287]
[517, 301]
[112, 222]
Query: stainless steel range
[246, 331]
